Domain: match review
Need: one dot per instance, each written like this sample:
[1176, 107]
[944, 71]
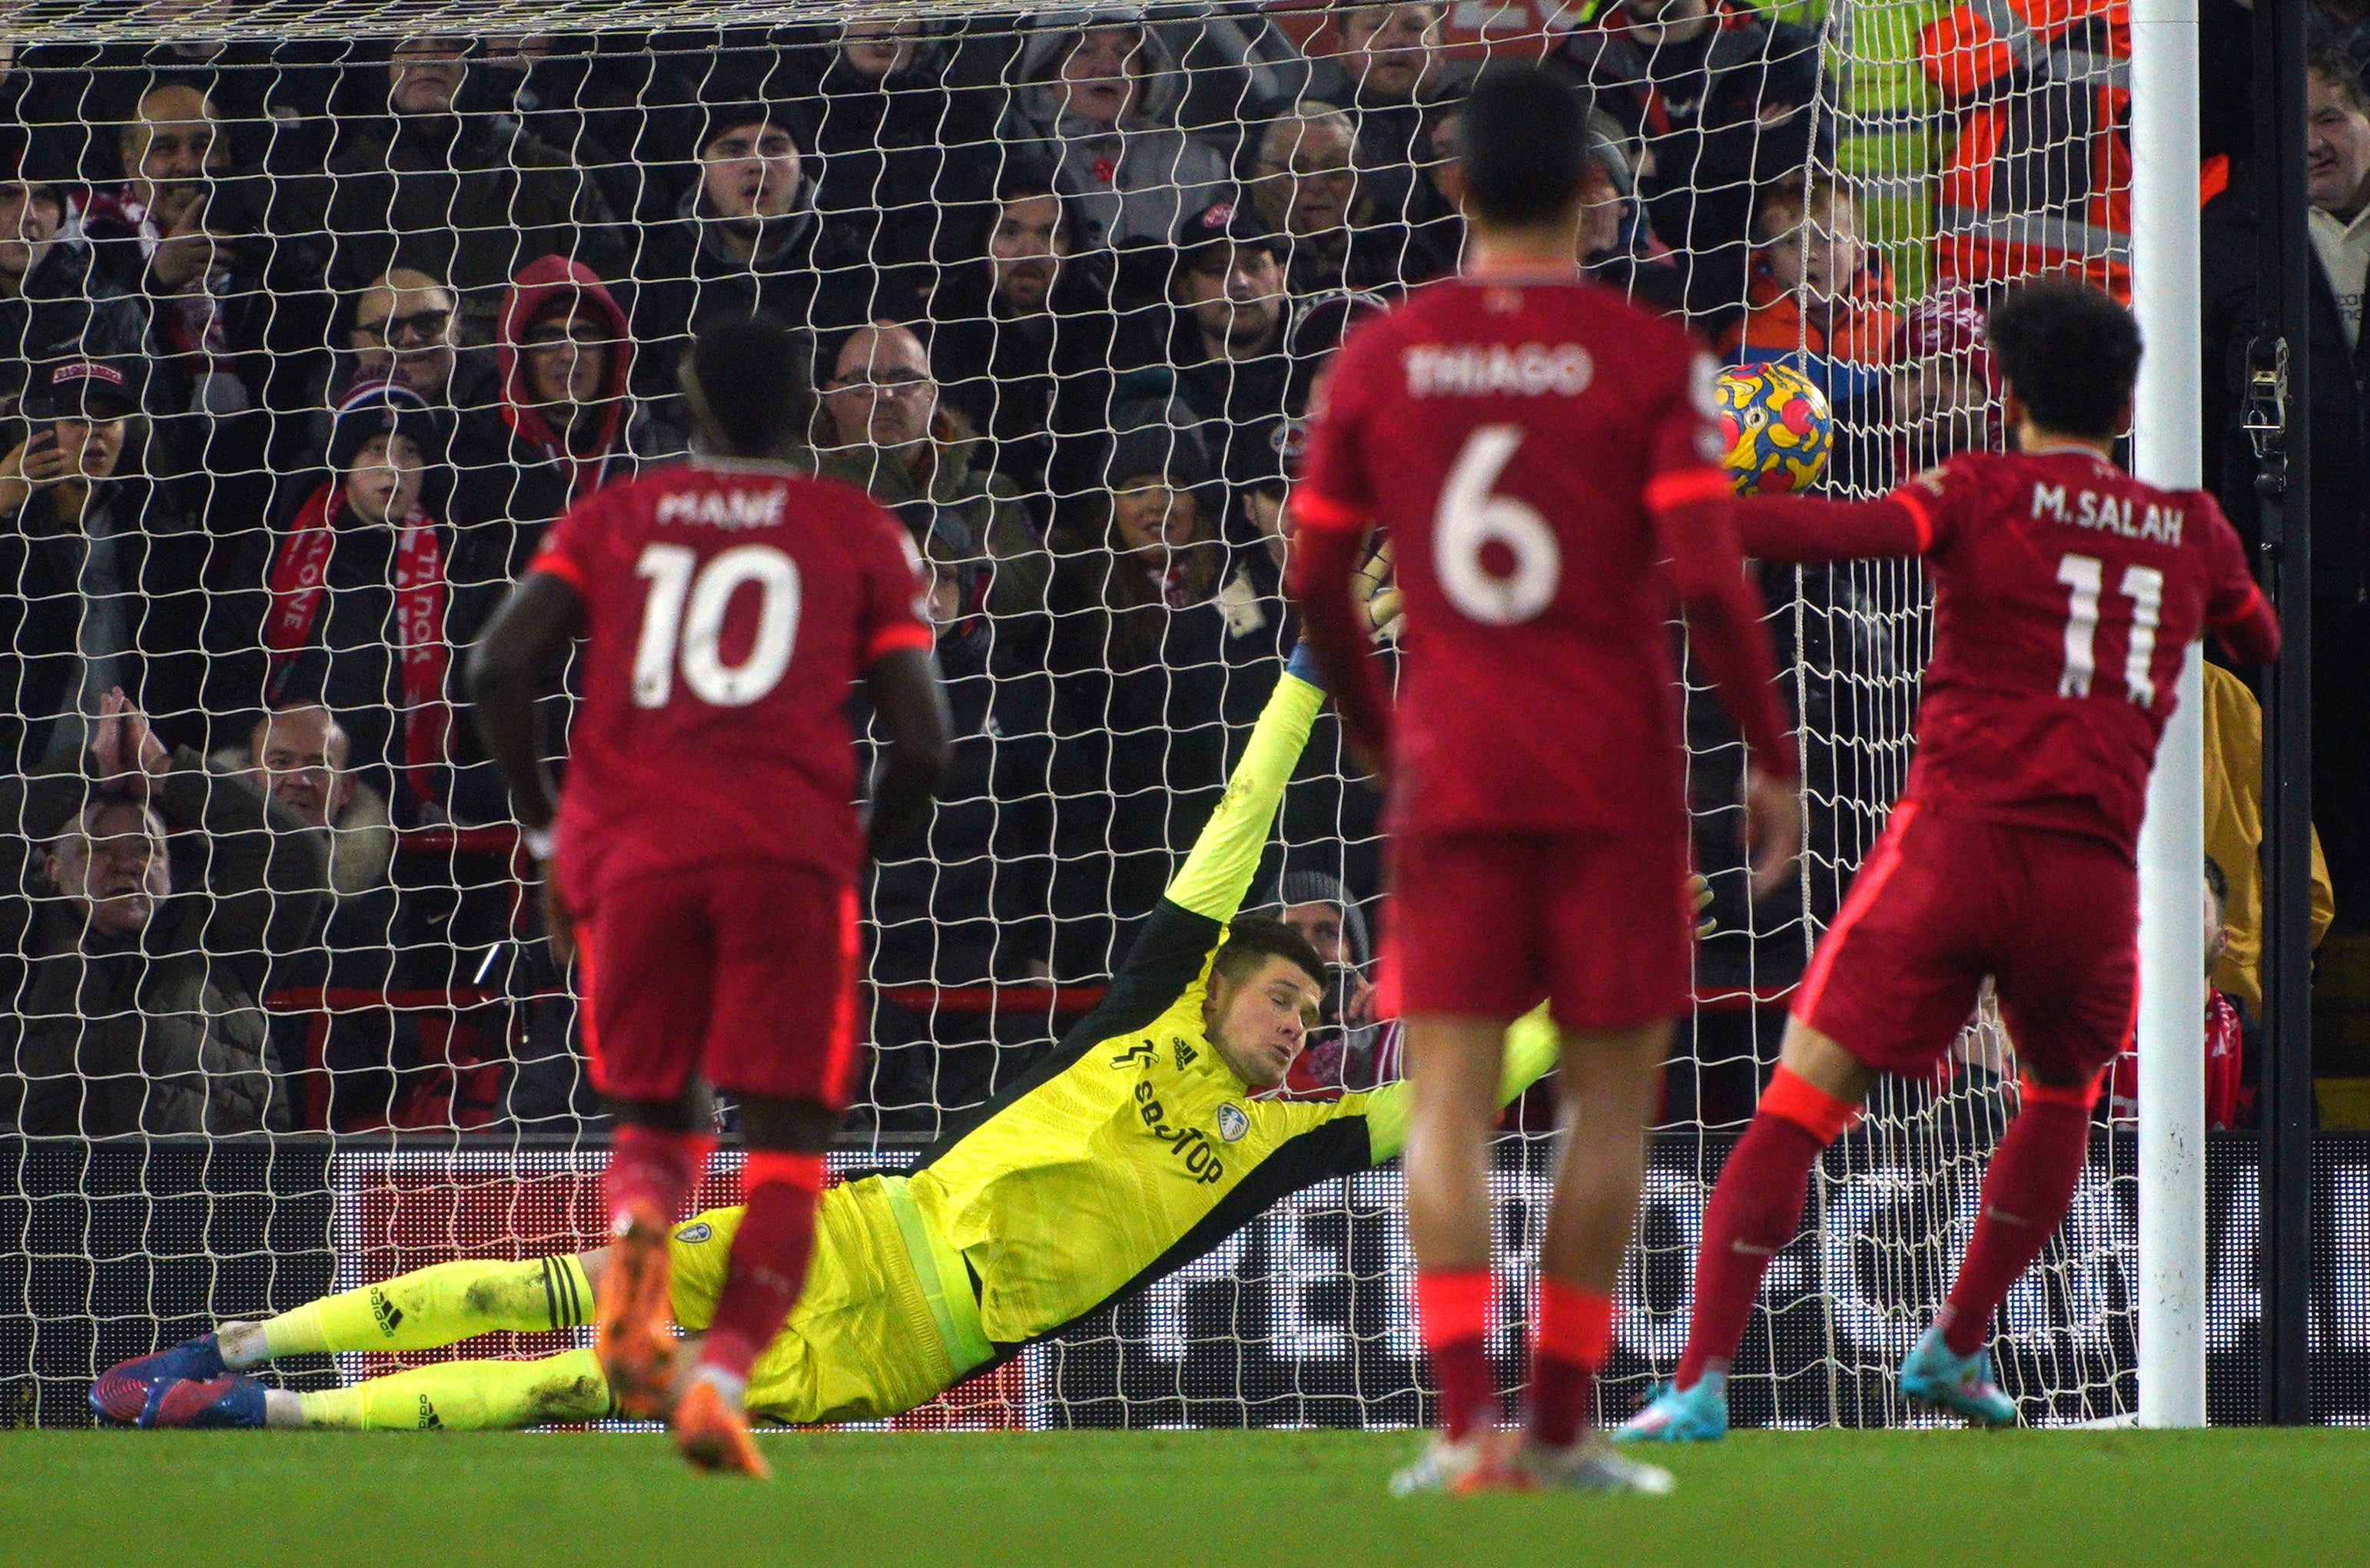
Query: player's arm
[912, 707]
[1687, 497]
[2236, 610]
[535, 624]
[1177, 942]
[527, 633]
[1332, 512]
[901, 675]
[1533, 1047]
[1805, 530]
[1325, 559]
[536, 620]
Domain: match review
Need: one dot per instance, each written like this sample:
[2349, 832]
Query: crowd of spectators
[303, 346]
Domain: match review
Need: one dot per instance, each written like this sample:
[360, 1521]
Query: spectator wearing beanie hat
[363, 553]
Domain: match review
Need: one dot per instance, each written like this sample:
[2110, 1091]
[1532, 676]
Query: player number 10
[1469, 517]
[683, 619]
[2085, 576]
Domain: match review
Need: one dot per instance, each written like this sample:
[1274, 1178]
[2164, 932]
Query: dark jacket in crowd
[959, 486]
[965, 901]
[72, 599]
[804, 273]
[367, 1053]
[470, 198]
[1253, 406]
[2339, 420]
[67, 308]
[1037, 386]
[1698, 106]
[906, 161]
[159, 1033]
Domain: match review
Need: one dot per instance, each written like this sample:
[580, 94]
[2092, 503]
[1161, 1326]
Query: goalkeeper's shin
[465, 1396]
[425, 1309]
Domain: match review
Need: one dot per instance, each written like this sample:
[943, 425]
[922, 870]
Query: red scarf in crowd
[299, 574]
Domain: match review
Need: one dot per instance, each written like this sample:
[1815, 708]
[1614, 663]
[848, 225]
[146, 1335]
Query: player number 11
[2085, 576]
[682, 622]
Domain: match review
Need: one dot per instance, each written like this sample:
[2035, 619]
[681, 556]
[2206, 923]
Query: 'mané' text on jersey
[2108, 513]
[1490, 370]
[730, 510]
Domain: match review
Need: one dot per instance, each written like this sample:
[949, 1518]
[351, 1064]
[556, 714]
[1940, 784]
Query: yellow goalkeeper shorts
[887, 1321]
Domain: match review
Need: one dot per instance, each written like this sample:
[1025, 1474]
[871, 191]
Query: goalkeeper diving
[1138, 1144]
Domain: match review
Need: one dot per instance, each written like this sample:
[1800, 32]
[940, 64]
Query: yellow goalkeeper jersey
[1134, 1148]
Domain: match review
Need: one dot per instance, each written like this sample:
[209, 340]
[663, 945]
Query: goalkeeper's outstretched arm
[1174, 948]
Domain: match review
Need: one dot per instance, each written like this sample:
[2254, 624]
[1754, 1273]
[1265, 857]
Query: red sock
[1756, 1208]
[1453, 1313]
[2025, 1194]
[768, 1263]
[653, 1167]
[1573, 1331]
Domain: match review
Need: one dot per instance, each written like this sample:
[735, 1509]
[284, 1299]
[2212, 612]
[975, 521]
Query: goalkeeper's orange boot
[713, 1433]
[633, 1320]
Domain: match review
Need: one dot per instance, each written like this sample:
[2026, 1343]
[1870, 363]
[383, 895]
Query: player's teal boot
[1961, 1383]
[1674, 1415]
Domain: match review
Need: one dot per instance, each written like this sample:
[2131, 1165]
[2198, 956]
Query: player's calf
[651, 1173]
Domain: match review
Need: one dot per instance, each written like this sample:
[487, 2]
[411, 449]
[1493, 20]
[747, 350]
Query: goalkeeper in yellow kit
[1135, 1147]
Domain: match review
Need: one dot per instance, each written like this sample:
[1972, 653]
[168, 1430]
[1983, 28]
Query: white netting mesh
[245, 224]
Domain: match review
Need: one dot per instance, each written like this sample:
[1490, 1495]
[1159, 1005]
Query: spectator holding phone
[66, 626]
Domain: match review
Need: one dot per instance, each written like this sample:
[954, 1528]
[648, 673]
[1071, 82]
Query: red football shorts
[2052, 918]
[743, 971]
[1485, 925]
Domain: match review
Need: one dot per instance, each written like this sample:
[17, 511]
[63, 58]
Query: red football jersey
[1519, 440]
[2067, 595]
[727, 606]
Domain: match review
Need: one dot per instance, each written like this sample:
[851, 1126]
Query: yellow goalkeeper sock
[467, 1396]
[438, 1305]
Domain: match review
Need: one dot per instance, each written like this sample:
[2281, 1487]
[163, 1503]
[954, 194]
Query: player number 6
[683, 621]
[1469, 517]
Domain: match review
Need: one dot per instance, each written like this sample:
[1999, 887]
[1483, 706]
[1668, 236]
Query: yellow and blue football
[1777, 426]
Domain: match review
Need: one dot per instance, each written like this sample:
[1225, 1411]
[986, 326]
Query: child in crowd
[1814, 287]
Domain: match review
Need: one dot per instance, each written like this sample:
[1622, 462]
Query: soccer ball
[1777, 426]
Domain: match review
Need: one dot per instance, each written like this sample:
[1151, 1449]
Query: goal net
[314, 313]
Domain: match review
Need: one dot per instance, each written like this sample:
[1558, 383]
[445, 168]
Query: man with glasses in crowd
[884, 429]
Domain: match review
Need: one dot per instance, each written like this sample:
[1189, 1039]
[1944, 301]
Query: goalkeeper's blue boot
[227, 1401]
[1674, 1415]
[128, 1392]
[1960, 1383]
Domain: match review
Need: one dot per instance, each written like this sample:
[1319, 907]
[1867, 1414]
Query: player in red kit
[1537, 451]
[2067, 595]
[705, 843]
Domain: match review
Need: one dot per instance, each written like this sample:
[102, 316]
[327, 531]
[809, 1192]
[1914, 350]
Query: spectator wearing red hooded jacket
[565, 422]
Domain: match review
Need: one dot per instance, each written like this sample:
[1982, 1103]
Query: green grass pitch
[1087, 1500]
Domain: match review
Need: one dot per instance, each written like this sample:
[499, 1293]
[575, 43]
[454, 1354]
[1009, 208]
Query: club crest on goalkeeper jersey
[727, 606]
